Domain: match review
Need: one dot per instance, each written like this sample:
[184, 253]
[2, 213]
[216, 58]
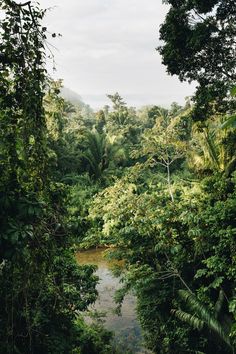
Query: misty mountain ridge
[71, 96]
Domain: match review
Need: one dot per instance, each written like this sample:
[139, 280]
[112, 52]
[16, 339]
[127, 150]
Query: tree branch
[28, 3]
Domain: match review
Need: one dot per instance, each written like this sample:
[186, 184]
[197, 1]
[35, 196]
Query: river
[126, 327]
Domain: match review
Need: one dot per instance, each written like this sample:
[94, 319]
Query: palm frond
[212, 148]
[192, 320]
[229, 123]
[219, 302]
[205, 315]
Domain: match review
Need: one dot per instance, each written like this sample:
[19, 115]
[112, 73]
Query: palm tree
[201, 317]
[100, 153]
[210, 148]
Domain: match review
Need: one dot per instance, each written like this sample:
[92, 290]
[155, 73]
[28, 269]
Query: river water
[126, 327]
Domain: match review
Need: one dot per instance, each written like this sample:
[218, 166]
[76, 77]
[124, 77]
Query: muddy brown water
[126, 327]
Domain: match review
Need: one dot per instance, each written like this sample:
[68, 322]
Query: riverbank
[126, 328]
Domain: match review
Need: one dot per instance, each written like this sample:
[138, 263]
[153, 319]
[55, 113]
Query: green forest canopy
[155, 185]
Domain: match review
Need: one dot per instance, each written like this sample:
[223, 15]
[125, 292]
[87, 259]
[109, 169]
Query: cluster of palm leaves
[101, 153]
[200, 317]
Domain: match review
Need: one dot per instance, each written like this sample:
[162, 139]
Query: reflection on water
[126, 328]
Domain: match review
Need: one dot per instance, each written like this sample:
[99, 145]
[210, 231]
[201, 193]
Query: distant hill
[72, 96]
[76, 100]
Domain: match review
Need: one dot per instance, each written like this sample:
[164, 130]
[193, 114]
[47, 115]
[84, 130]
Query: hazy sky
[109, 46]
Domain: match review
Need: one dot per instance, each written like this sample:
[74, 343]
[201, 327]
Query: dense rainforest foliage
[42, 290]
[156, 186]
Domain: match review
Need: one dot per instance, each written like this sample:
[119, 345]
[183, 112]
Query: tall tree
[200, 44]
[166, 143]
